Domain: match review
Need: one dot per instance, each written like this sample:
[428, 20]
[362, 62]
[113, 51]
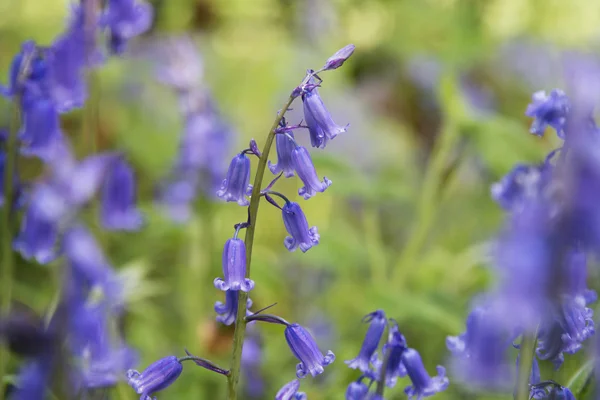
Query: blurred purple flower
[357, 390]
[305, 349]
[234, 267]
[118, 211]
[176, 196]
[40, 133]
[33, 379]
[339, 57]
[37, 237]
[547, 110]
[522, 183]
[125, 20]
[297, 226]
[422, 384]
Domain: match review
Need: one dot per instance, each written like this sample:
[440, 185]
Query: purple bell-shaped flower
[321, 126]
[377, 323]
[37, 238]
[338, 59]
[228, 311]
[126, 19]
[40, 133]
[234, 267]
[158, 376]
[306, 172]
[297, 226]
[357, 390]
[289, 391]
[235, 186]
[305, 349]
[285, 146]
[422, 384]
[547, 110]
[118, 207]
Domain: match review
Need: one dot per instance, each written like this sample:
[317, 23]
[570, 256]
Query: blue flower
[118, 211]
[125, 20]
[31, 74]
[306, 172]
[235, 186]
[40, 133]
[378, 323]
[284, 146]
[338, 59]
[158, 376]
[176, 195]
[305, 349]
[234, 267]
[522, 183]
[395, 348]
[38, 235]
[289, 391]
[33, 379]
[547, 110]
[297, 226]
[318, 119]
[422, 384]
[228, 311]
[357, 390]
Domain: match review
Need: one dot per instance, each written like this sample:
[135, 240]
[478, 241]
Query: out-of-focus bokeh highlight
[403, 228]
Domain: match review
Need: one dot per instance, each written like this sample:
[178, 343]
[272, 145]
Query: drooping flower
[125, 20]
[303, 165]
[37, 237]
[119, 211]
[547, 110]
[284, 146]
[339, 57]
[228, 311]
[158, 376]
[394, 348]
[33, 379]
[40, 133]
[357, 390]
[422, 384]
[289, 391]
[297, 226]
[27, 72]
[377, 324]
[234, 267]
[305, 349]
[523, 182]
[320, 124]
[235, 186]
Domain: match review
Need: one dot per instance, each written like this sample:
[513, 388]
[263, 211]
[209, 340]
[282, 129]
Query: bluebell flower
[297, 226]
[234, 267]
[338, 59]
[37, 237]
[289, 391]
[377, 324]
[357, 390]
[523, 182]
[305, 349]
[158, 376]
[306, 172]
[235, 186]
[125, 20]
[422, 384]
[228, 311]
[284, 146]
[33, 379]
[547, 110]
[67, 58]
[176, 195]
[119, 211]
[395, 347]
[318, 119]
[40, 133]
[32, 78]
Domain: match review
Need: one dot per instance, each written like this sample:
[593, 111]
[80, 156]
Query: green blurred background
[435, 95]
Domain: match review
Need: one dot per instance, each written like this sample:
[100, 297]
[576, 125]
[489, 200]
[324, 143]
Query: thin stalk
[8, 258]
[381, 383]
[240, 323]
[526, 355]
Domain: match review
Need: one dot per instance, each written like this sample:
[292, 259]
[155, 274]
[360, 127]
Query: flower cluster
[541, 255]
[45, 82]
[396, 360]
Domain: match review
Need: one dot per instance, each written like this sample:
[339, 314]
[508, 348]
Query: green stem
[427, 202]
[240, 323]
[381, 383]
[526, 355]
[8, 258]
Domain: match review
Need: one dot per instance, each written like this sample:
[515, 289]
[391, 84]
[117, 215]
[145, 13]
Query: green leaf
[581, 379]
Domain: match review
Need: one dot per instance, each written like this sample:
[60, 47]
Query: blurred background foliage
[435, 95]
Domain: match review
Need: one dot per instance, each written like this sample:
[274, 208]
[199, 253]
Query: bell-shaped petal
[158, 376]
[422, 384]
[394, 349]
[357, 390]
[234, 267]
[40, 133]
[284, 146]
[82, 182]
[33, 379]
[547, 110]
[377, 324]
[118, 207]
[521, 183]
[338, 59]
[306, 172]
[320, 124]
[228, 311]
[236, 185]
[305, 349]
[297, 226]
[289, 391]
[37, 238]
[126, 19]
